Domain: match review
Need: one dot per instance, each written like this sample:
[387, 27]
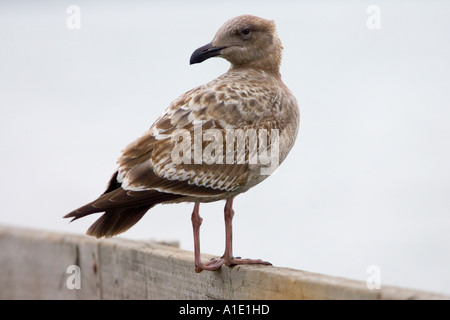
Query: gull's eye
[245, 31]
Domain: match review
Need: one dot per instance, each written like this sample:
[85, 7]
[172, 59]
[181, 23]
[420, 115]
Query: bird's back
[240, 104]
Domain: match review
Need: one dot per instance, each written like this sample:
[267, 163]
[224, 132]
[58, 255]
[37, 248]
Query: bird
[211, 143]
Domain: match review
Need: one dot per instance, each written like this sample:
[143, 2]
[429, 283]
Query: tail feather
[116, 221]
[122, 208]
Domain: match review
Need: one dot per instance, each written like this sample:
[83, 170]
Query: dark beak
[205, 52]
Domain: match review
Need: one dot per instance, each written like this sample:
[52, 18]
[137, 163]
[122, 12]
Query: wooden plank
[34, 265]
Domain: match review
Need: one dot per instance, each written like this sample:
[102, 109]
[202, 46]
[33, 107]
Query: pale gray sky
[367, 182]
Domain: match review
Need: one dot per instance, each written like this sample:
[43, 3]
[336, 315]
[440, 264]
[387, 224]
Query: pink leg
[196, 223]
[227, 257]
[230, 260]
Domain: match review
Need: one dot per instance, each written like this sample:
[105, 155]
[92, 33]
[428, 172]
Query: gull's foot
[238, 261]
[216, 263]
[212, 265]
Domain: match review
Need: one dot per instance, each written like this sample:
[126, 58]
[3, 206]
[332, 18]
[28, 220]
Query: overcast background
[367, 183]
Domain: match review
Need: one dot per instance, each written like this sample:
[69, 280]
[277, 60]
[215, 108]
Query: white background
[367, 182]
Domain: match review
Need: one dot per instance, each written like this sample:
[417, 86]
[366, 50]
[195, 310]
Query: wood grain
[33, 265]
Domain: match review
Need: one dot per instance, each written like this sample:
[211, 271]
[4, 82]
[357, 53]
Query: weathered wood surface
[33, 265]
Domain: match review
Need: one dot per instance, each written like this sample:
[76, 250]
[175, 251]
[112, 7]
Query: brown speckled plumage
[250, 96]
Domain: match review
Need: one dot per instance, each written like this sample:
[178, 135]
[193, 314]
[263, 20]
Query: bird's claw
[215, 263]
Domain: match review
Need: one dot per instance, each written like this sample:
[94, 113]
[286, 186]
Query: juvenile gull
[170, 163]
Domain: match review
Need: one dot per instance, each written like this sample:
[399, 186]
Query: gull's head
[245, 41]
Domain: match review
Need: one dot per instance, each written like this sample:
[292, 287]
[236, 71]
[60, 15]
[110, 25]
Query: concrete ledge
[34, 265]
